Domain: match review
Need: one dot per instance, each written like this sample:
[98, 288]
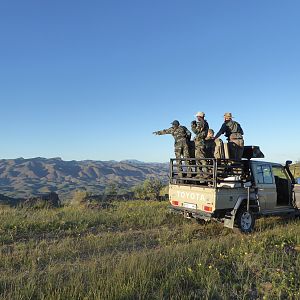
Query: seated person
[214, 147]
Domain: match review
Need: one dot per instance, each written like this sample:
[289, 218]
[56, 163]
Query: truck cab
[233, 192]
[274, 186]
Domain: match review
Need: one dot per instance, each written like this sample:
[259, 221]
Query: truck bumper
[191, 213]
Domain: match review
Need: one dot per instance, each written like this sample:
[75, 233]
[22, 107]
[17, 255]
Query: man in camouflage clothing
[200, 129]
[181, 136]
[234, 133]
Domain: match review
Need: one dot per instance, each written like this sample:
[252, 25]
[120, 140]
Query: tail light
[207, 208]
[175, 203]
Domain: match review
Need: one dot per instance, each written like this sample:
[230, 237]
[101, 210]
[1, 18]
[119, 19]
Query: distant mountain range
[27, 177]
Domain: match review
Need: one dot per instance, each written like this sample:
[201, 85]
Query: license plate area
[189, 205]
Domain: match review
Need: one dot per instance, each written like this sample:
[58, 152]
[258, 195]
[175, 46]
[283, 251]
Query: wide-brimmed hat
[228, 115]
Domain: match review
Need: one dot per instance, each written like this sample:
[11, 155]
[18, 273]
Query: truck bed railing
[211, 172]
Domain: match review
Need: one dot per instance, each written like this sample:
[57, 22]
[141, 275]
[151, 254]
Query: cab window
[264, 174]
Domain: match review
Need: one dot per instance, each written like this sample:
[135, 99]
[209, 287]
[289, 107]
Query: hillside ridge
[25, 177]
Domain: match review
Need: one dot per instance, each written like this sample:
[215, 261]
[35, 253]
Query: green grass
[137, 250]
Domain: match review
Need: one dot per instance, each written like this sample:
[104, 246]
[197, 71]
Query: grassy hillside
[137, 250]
[295, 169]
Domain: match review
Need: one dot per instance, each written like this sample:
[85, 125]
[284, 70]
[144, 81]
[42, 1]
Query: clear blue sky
[93, 79]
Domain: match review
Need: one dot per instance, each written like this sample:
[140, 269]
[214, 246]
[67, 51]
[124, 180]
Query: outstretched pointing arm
[165, 131]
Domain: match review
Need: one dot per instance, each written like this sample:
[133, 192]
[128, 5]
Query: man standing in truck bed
[200, 128]
[181, 135]
[234, 133]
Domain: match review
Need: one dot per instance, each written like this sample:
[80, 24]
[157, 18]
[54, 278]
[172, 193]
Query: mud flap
[229, 219]
[229, 222]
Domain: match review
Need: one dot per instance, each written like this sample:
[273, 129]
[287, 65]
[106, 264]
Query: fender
[230, 218]
[240, 200]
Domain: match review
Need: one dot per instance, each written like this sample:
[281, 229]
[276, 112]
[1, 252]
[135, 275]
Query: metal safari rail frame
[207, 171]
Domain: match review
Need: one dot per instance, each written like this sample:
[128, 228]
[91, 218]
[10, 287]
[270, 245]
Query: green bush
[79, 198]
[148, 190]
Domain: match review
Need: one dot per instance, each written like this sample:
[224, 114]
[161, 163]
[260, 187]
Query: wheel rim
[246, 220]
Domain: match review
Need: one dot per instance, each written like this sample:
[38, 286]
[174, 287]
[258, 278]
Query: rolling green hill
[295, 169]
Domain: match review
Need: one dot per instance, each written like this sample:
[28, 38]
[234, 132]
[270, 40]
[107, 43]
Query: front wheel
[245, 220]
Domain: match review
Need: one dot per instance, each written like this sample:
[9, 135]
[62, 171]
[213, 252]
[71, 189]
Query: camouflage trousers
[182, 150]
[200, 154]
[236, 148]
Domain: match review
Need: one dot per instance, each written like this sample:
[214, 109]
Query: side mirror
[288, 162]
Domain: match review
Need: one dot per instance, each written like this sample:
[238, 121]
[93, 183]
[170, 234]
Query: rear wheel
[245, 220]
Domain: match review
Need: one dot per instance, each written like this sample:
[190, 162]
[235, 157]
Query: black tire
[245, 220]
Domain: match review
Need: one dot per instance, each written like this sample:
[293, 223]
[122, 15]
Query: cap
[175, 122]
[200, 114]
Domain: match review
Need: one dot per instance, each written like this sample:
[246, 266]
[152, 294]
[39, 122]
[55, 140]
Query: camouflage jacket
[200, 129]
[231, 129]
[180, 133]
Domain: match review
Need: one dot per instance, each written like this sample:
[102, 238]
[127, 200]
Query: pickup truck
[235, 193]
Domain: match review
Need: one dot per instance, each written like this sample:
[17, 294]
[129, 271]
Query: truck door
[283, 186]
[266, 186]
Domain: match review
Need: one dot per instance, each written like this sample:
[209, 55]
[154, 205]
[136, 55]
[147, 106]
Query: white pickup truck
[234, 193]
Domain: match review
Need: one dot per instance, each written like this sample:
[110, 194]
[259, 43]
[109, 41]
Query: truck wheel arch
[241, 202]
